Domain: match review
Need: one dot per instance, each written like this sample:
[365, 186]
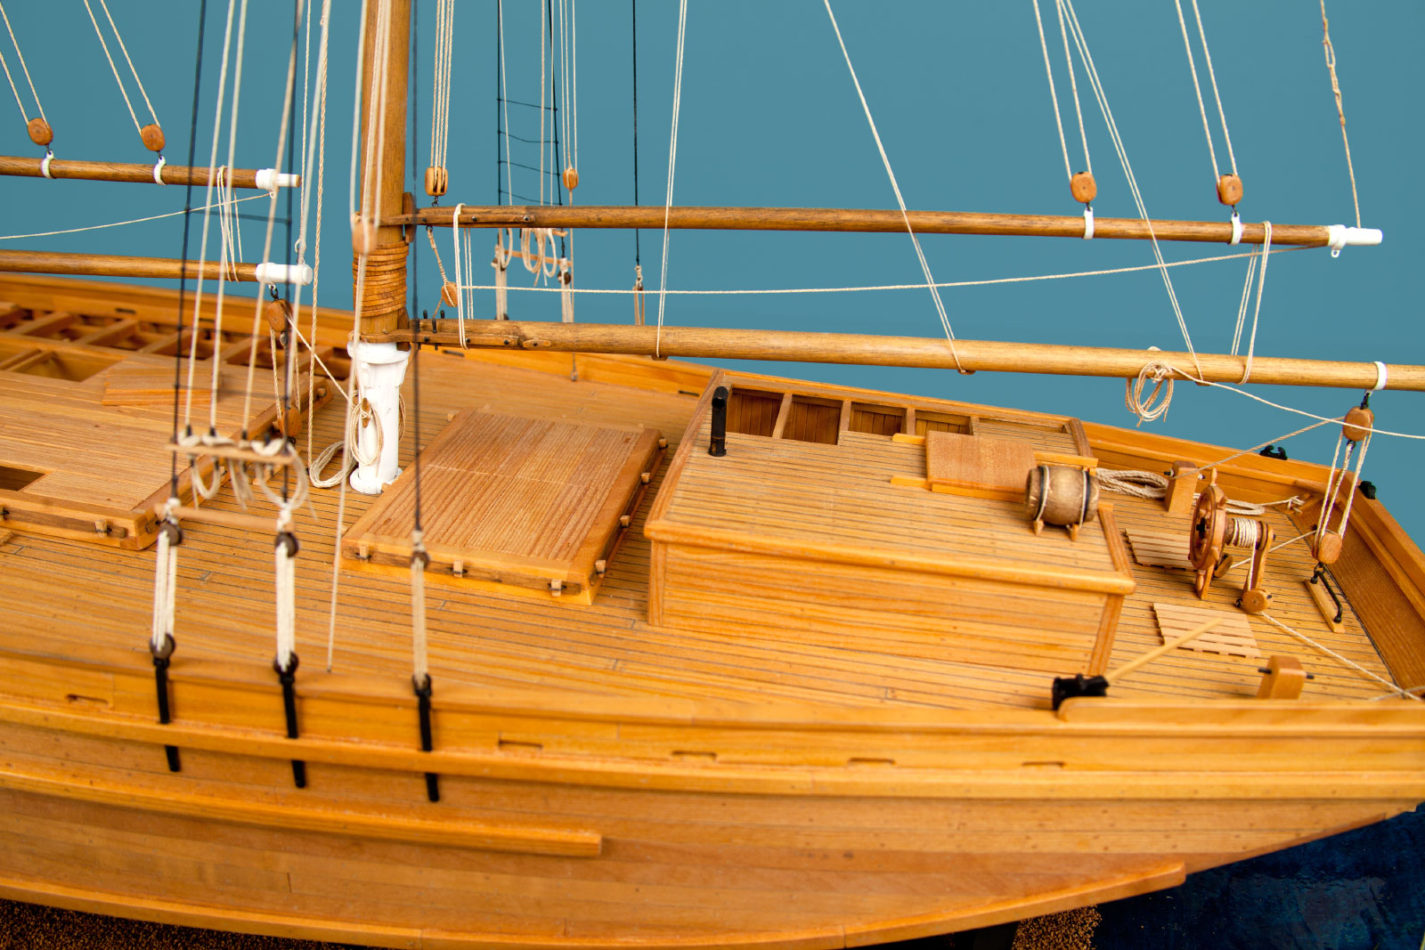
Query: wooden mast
[872, 220]
[723, 343]
[383, 295]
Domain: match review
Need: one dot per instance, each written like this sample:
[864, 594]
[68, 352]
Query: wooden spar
[118, 171]
[803, 347]
[114, 265]
[867, 220]
[383, 82]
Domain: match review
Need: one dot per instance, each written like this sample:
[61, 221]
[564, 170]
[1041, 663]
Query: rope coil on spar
[1159, 398]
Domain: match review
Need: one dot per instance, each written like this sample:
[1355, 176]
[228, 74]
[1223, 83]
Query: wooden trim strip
[385, 826]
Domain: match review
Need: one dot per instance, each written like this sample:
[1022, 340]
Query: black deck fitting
[423, 692]
[717, 444]
[288, 679]
[1072, 687]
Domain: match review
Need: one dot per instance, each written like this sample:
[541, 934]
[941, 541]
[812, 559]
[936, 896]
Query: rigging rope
[1344, 661]
[440, 78]
[1053, 93]
[137, 81]
[1330, 51]
[672, 166]
[1096, 84]
[24, 68]
[1197, 87]
[1257, 310]
[886, 161]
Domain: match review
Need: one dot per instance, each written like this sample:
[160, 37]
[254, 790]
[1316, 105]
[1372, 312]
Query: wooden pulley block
[1229, 190]
[1062, 495]
[1327, 548]
[1083, 187]
[1207, 536]
[278, 314]
[437, 180]
[450, 294]
[1358, 423]
[40, 132]
[363, 235]
[571, 178]
[152, 137]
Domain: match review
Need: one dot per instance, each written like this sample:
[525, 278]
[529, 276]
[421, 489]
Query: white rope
[672, 166]
[107, 55]
[419, 652]
[1096, 84]
[165, 579]
[284, 558]
[877, 288]
[1352, 664]
[1053, 94]
[1216, 95]
[456, 236]
[314, 139]
[1197, 87]
[1330, 51]
[1074, 86]
[26, 70]
[1261, 445]
[1133, 482]
[441, 76]
[209, 204]
[1242, 304]
[900, 200]
[501, 263]
[1159, 398]
[566, 299]
[1257, 310]
[119, 224]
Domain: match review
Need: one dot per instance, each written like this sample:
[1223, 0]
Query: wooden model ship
[701, 657]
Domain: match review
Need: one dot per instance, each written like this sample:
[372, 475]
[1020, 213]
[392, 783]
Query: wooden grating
[1231, 637]
[1160, 548]
[533, 503]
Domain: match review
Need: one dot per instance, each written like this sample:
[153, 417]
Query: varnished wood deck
[100, 601]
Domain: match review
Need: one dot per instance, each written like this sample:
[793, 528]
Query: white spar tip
[270, 179]
[1342, 236]
[270, 273]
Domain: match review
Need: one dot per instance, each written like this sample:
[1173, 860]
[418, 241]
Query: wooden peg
[1282, 678]
[1083, 187]
[571, 178]
[1182, 486]
[437, 180]
[450, 293]
[152, 137]
[40, 132]
[1359, 422]
[1229, 190]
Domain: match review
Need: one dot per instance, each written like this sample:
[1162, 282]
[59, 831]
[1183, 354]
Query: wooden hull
[605, 780]
[645, 829]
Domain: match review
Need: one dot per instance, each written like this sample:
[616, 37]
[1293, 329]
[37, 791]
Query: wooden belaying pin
[437, 180]
[152, 137]
[40, 132]
[571, 178]
[1083, 187]
[1229, 190]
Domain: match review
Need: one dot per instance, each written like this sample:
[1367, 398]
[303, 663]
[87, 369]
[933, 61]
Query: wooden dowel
[854, 219]
[797, 346]
[1115, 675]
[128, 172]
[113, 265]
[228, 519]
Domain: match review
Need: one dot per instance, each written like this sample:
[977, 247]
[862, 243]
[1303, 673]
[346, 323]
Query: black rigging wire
[634, 8]
[187, 213]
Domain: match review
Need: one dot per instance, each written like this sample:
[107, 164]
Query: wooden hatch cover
[520, 503]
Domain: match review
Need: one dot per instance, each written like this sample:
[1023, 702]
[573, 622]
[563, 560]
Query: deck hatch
[522, 503]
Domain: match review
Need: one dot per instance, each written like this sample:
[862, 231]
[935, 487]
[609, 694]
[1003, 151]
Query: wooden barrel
[1060, 495]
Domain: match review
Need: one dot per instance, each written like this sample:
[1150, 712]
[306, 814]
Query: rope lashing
[161, 642]
[1159, 398]
[566, 298]
[284, 555]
